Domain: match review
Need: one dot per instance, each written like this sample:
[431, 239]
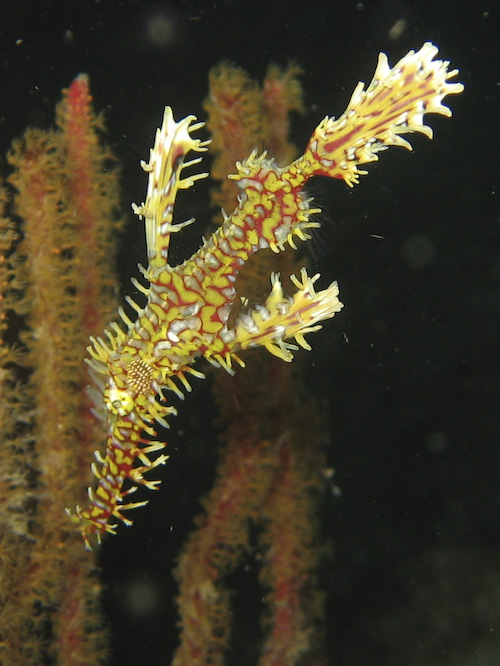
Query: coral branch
[60, 284]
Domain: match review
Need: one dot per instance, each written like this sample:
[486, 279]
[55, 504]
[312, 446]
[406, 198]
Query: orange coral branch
[215, 548]
[63, 271]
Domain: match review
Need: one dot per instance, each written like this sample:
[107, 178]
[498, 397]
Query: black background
[407, 376]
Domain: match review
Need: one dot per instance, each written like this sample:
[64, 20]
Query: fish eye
[119, 402]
